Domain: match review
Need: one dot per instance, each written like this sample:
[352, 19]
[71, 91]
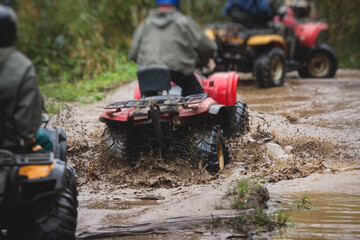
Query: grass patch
[88, 89]
[250, 195]
[304, 202]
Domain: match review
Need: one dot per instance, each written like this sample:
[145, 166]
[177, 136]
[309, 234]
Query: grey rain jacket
[21, 102]
[170, 38]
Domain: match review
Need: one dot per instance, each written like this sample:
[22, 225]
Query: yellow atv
[258, 51]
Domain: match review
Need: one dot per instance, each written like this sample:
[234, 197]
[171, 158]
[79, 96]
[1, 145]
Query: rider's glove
[43, 139]
[31, 147]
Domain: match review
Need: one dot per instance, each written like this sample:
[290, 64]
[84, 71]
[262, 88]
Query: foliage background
[84, 43]
[343, 17]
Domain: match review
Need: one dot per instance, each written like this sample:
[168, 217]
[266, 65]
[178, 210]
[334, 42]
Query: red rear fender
[222, 87]
[307, 33]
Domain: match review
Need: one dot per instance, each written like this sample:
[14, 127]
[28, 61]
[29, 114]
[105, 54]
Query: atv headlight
[35, 171]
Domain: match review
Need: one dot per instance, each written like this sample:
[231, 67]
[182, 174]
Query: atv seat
[154, 79]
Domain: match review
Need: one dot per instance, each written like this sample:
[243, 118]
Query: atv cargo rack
[166, 100]
[9, 159]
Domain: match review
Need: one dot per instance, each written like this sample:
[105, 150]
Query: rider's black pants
[189, 84]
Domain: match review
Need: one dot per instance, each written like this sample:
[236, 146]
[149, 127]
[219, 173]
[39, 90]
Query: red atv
[272, 50]
[311, 58]
[169, 124]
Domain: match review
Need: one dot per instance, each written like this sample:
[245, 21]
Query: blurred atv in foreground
[169, 124]
[38, 195]
[270, 52]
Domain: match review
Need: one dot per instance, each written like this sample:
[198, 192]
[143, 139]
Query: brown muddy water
[319, 118]
[330, 217]
[335, 206]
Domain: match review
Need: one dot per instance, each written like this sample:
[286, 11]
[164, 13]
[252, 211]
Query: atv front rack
[160, 101]
[7, 158]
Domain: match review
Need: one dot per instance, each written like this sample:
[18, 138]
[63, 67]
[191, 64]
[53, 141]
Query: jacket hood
[162, 18]
[5, 53]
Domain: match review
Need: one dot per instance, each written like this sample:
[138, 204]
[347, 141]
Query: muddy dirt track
[319, 118]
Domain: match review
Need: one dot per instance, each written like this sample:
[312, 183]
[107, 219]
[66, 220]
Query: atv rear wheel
[241, 125]
[270, 68]
[210, 148]
[322, 63]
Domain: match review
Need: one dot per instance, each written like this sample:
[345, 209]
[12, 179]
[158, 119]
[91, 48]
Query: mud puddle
[330, 217]
[335, 206]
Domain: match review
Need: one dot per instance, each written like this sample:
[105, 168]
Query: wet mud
[319, 118]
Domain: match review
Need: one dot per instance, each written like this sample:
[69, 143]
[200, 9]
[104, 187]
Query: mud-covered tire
[71, 177]
[56, 217]
[115, 141]
[270, 68]
[241, 125]
[322, 63]
[59, 222]
[209, 147]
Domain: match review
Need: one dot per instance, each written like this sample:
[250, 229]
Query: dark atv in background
[269, 52]
[38, 194]
[168, 124]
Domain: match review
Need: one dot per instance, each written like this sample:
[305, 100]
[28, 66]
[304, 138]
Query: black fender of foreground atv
[30, 187]
[55, 181]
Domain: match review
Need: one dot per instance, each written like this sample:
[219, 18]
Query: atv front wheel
[114, 139]
[321, 64]
[241, 125]
[270, 68]
[210, 148]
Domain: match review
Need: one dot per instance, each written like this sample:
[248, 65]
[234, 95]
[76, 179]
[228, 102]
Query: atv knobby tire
[241, 125]
[270, 68]
[209, 148]
[115, 141]
[322, 63]
[56, 217]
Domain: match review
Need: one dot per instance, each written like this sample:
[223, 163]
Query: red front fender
[222, 87]
[307, 33]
